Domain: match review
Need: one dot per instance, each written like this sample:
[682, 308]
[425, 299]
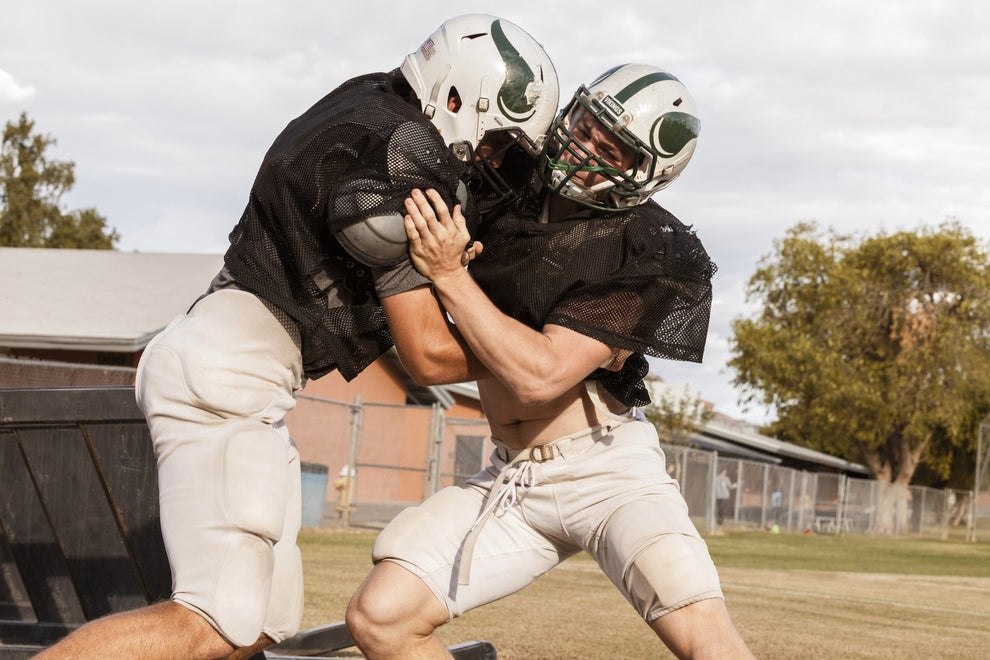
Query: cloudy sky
[863, 116]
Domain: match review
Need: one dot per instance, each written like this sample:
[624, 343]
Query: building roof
[731, 450]
[95, 300]
[780, 448]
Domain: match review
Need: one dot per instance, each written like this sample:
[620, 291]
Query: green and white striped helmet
[648, 109]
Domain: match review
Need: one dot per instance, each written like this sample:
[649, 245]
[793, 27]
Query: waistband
[564, 447]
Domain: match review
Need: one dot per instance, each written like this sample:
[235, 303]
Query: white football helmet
[476, 77]
[502, 79]
[648, 109]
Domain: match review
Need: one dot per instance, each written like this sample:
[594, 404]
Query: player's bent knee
[392, 607]
[375, 606]
[367, 622]
[357, 619]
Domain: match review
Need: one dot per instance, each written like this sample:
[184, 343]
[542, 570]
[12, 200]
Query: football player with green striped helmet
[649, 110]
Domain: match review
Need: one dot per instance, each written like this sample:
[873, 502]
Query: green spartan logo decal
[672, 130]
[512, 99]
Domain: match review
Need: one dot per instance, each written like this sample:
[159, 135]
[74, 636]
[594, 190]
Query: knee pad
[285, 607]
[254, 482]
[403, 536]
[671, 573]
[393, 539]
[242, 590]
[654, 555]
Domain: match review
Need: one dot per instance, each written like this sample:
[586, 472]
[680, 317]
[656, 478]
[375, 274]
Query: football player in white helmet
[313, 281]
[577, 283]
[649, 110]
[491, 91]
[485, 84]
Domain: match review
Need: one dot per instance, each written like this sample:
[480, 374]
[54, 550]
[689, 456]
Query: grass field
[791, 596]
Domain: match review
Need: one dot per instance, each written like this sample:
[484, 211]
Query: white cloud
[12, 91]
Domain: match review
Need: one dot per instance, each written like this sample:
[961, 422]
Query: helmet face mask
[487, 176]
[644, 109]
[586, 172]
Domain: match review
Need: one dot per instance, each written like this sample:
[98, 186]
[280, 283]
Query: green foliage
[676, 416]
[31, 190]
[876, 349]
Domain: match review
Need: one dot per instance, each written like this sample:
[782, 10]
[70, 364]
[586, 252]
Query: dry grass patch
[878, 599]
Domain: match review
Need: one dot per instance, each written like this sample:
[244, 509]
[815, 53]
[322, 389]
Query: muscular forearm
[440, 359]
[431, 350]
[536, 365]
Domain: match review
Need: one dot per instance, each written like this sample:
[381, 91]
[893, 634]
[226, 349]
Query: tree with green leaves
[31, 190]
[876, 349]
[676, 415]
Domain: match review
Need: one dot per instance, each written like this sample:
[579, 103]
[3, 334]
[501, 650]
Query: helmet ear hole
[454, 100]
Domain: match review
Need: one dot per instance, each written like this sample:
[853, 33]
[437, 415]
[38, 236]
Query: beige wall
[393, 434]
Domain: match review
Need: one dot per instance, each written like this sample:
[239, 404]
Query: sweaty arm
[537, 365]
[429, 347]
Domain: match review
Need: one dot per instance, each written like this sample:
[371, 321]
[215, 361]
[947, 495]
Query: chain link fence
[776, 498]
[28, 372]
[382, 458]
[979, 506]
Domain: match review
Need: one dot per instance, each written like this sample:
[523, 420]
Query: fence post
[437, 423]
[790, 503]
[946, 512]
[840, 513]
[814, 498]
[353, 454]
[971, 523]
[739, 489]
[712, 476]
[763, 497]
[921, 513]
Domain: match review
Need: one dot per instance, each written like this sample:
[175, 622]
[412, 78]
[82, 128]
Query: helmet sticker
[518, 94]
[672, 131]
[638, 85]
[429, 49]
[614, 106]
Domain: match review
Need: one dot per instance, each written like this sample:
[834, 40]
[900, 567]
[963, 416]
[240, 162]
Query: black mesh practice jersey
[356, 153]
[637, 280]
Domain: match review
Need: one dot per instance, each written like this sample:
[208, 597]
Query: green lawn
[850, 553]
